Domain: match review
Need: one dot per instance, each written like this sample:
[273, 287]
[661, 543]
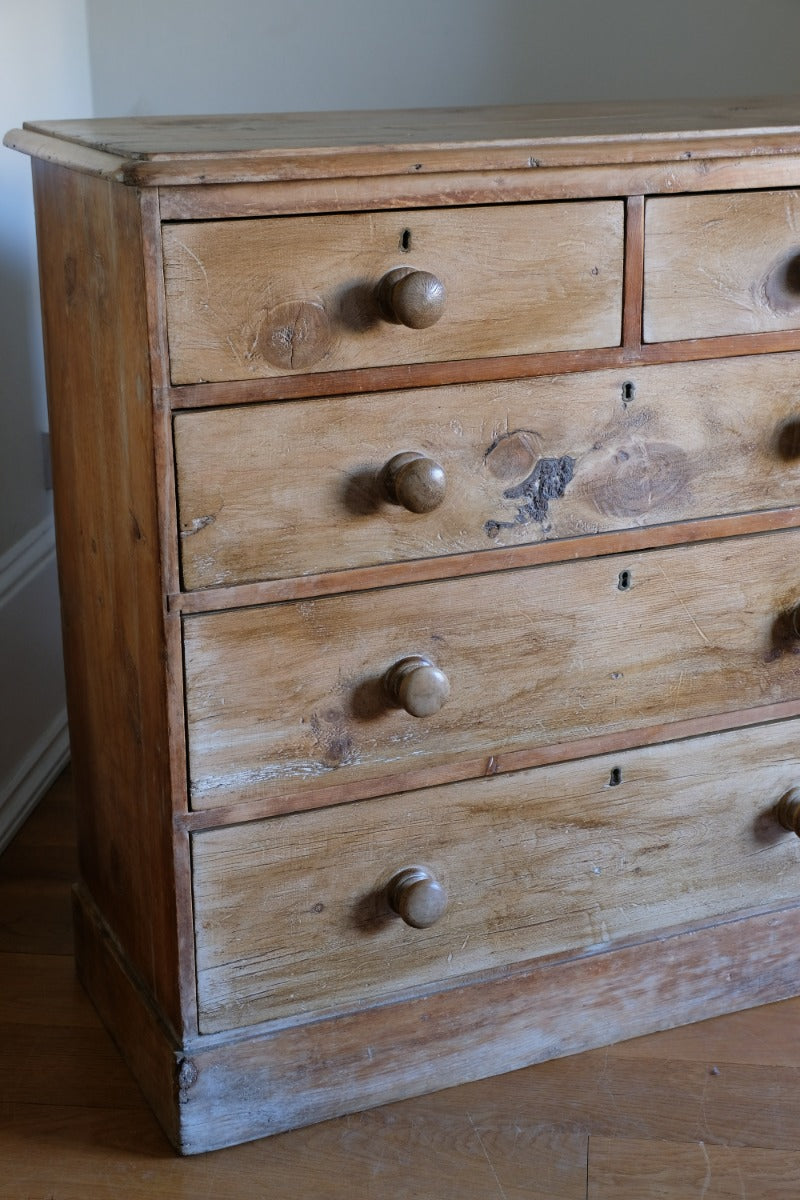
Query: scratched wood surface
[721, 265]
[343, 145]
[706, 633]
[296, 294]
[90, 240]
[233, 198]
[272, 491]
[278, 134]
[288, 697]
[626, 1169]
[705, 1112]
[536, 863]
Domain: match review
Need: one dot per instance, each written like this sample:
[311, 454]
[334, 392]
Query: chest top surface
[162, 150]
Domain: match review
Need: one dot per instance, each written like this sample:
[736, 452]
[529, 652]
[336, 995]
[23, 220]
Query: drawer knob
[417, 685]
[787, 810]
[410, 297]
[414, 482]
[417, 896]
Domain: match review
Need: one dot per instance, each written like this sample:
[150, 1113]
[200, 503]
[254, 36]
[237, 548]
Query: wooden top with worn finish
[187, 150]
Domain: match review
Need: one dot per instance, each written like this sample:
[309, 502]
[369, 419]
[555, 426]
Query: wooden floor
[709, 1111]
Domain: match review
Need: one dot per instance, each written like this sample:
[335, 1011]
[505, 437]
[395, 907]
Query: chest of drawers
[427, 512]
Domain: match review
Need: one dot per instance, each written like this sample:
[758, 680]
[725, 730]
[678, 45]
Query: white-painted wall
[264, 55]
[44, 71]
[104, 57]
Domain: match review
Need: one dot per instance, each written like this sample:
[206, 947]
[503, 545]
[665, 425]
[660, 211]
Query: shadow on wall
[24, 501]
[33, 736]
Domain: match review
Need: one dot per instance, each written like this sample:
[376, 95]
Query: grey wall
[44, 71]
[259, 55]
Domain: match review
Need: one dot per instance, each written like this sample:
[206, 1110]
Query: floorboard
[634, 1170]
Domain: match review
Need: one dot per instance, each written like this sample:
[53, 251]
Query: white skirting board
[34, 744]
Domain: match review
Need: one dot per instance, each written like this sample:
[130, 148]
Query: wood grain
[729, 1040]
[269, 492]
[107, 529]
[263, 298]
[741, 963]
[634, 274]
[261, 133]
[646, 1095]
[281, 700]
[37, 870]
[563, 859]
[721, 265]
[341, 383]
[150, 1049]
[502, 1024]
[71, 1153]
[628, 1169]
[59, 1070]
[580, 909]
[663, 175]
[551, 1130]
[482, 562]
[41, 985]
[159, 150]
[410, 777]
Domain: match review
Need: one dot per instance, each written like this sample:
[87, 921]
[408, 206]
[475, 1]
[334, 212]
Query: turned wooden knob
[417, 685]
[410, 297]
[414, 481]
[417, 896]
[787, 810]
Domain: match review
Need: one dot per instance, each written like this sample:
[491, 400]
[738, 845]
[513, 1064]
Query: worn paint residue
[547, 481]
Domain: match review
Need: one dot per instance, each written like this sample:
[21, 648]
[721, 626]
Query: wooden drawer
[292, 914]
[271, 491]
[721, 264]
[291, 696]
[266, 297]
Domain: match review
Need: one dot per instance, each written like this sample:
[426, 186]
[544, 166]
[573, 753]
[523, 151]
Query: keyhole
[628, 392]
[624, 581]
[616, 777]
[405, 240]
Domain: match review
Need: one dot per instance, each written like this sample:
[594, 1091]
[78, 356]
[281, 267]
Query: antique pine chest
[427, 509]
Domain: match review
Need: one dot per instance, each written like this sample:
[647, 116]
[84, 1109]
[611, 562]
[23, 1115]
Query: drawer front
[292, 914]
[272, 491]
[277, 296]
[293, 696]
[721, 264]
